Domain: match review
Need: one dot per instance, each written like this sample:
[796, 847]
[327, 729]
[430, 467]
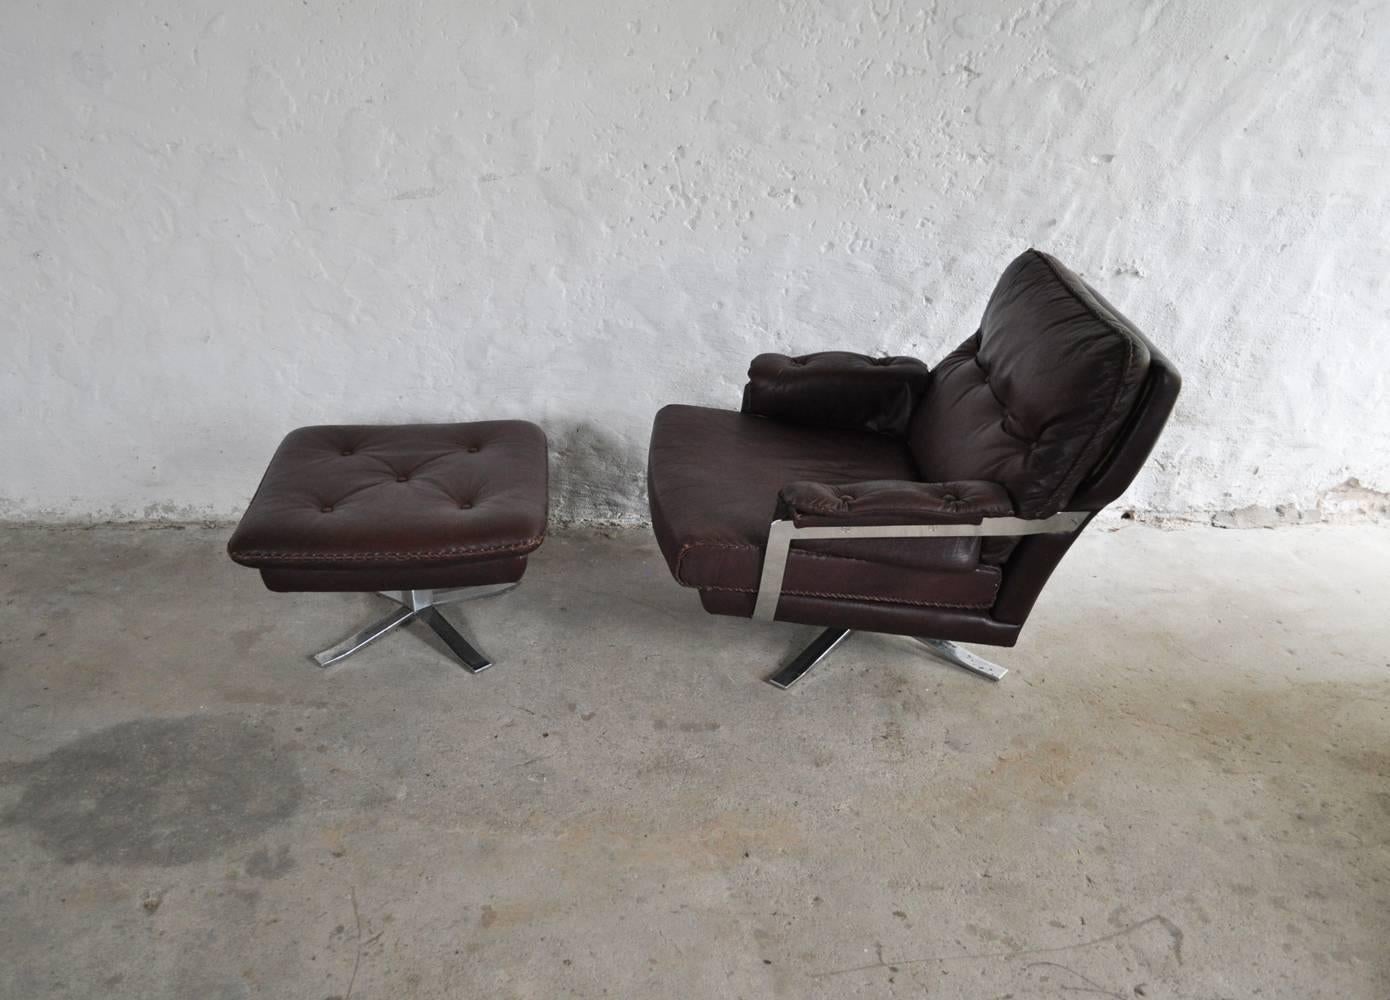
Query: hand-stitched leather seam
[802, 553]
[957, 514]
[952, 509]
[814, 554]
[271, 558]
[851, 597]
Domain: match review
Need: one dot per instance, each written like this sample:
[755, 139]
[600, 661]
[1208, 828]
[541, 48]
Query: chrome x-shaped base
[420, 605]
[825, 642]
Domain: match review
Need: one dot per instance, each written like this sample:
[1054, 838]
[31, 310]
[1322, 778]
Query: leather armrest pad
[836, 389]
[889, 501]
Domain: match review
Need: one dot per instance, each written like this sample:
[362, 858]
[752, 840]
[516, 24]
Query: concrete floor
[1182, 789]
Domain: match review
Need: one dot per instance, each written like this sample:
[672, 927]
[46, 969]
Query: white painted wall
[221, 221]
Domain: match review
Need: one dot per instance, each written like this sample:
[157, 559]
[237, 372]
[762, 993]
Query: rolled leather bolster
[892, 502]
[836, 389]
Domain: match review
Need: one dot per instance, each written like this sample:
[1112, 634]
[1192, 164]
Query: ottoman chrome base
[420, 605]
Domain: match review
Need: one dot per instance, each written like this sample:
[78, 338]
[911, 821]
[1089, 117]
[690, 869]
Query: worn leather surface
[713, 483]
[890, 501]
[836, 389]
[1036, 397]
[354, 507]
[1057, 401]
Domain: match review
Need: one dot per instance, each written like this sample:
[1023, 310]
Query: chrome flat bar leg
[963, 658]
[818, 650]
[427, 598]
[420, 599]
[472, 593]
[421, 604]
[473, 661]
[369, 634]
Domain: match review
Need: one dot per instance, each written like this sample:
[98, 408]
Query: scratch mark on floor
[357, 956]
[1091, 985]
[1174, 932]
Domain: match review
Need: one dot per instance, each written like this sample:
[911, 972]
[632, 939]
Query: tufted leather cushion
[713, 483]
[382, 507]
[1036, 397]
[836, 389]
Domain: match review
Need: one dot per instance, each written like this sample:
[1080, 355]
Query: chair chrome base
[822, 645]
[422, 606]
[819, 649]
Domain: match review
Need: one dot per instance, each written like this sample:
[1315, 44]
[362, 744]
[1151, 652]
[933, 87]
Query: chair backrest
[1043, 398]
[1063, 398]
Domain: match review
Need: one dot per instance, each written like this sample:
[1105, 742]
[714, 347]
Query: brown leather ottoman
[423, 513]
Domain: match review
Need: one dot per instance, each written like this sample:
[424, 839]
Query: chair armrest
[892, 509]
[836, 389]
[889, 501]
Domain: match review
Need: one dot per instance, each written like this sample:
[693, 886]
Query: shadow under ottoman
[425, 514]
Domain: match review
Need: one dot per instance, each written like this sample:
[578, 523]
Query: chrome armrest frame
[782, 533]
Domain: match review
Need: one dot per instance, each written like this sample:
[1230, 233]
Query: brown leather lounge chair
[927, 503]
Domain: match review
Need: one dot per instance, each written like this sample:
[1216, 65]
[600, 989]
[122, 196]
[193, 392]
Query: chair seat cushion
[353, 507]
[713, 480]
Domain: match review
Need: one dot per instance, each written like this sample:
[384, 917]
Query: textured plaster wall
[221, 221]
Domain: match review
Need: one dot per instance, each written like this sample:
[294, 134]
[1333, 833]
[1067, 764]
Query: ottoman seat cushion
[416, 506]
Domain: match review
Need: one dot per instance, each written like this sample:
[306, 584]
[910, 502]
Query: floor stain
[157, 791]
[251, 696]
[686, 727]
[262, 864]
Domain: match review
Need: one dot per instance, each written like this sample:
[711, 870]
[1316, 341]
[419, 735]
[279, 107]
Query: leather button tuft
[326, 509]
[465, 506]
[472, 449]
[401, 479]
[346, 452]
